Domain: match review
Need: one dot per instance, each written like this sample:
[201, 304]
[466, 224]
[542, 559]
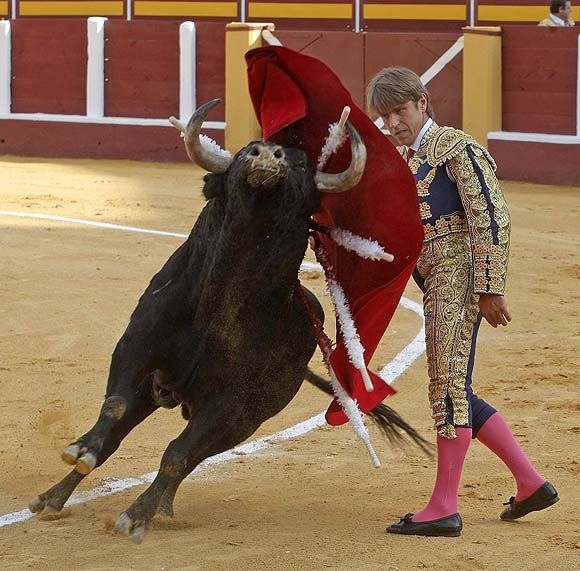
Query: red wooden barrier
[539, 79]
[49, 66]
[141, 69]
[211, 65]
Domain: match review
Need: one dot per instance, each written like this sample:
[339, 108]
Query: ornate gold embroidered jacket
[459, 192]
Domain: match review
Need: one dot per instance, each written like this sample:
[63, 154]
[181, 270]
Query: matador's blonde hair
[394, 86]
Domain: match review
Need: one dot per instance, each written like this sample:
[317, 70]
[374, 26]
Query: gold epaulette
[448, 142]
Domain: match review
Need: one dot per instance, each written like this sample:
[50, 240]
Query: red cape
[296, 97]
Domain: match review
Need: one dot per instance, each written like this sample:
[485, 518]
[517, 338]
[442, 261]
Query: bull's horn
[200, 155]
[340, 182]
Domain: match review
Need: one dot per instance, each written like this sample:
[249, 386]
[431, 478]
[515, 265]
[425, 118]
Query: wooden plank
[150, 99]
[141, 70]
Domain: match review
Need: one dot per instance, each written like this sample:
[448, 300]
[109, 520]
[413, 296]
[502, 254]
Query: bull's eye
[278, 153]
[254, 152]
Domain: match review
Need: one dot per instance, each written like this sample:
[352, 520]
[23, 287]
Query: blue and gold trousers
[444, 272]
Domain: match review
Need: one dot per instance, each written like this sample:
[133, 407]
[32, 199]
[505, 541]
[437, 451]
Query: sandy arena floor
[311, 503]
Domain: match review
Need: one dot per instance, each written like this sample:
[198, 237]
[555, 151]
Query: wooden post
[241, 123]
[482, 85]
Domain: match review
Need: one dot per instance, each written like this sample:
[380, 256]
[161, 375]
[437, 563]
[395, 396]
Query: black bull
[221, 329]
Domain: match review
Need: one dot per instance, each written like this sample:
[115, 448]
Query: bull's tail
[390, 422]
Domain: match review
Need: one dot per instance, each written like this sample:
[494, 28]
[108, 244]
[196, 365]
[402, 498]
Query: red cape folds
[296, 97]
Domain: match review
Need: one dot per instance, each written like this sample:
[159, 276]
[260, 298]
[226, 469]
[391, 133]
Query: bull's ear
[214, 185]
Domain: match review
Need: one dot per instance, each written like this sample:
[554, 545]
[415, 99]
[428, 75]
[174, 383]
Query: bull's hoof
[86, 463]
[45, 511]
[70, 454]
[36, 505]
[136, 530]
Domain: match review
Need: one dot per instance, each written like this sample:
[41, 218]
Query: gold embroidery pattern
[490, 260]
[451, 309]
[445, 143]
[424, 184]
[423, 188]
[425, 210]
[414, 163]
[446, 224]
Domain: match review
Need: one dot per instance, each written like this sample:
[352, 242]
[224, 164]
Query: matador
[462, 272]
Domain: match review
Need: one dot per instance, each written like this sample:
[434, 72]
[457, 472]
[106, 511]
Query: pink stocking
[498, 437]
[450, 457]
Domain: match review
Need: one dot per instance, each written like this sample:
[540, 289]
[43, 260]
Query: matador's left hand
[494, 308]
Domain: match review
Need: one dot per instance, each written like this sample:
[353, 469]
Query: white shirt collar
[417, 143]
[556, 20]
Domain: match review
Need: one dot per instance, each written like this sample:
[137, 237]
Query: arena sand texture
[312, 503]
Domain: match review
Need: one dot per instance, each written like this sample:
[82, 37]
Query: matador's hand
[494, 308]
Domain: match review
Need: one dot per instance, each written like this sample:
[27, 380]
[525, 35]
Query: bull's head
[265, 162]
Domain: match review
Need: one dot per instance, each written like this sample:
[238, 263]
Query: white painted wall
[5, 66]
[187, 71]
[96, 67]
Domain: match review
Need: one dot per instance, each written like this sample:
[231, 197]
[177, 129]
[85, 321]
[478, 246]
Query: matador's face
[406, 120]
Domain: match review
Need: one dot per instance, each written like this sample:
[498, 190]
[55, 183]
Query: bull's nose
[265, 165]
[265, 152]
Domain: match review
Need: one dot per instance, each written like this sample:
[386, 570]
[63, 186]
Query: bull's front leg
[129, 396]
[93, 449]
[84, 453]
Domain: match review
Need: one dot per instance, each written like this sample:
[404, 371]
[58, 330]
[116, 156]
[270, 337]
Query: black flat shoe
[544, 497]
[449, 526]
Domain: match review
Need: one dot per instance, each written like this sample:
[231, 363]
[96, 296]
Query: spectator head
[561, 8]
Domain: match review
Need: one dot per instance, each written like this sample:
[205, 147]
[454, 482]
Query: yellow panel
[3, 8]
[482, 84]
[513, 13]
[518, 13]
[241, 123]
[216, 9]
[414, 12]
[71, 8]
[299, 10]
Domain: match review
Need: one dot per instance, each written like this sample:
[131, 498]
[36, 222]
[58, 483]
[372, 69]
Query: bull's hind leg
[52, 501]
[165, 507]
[199, 440]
